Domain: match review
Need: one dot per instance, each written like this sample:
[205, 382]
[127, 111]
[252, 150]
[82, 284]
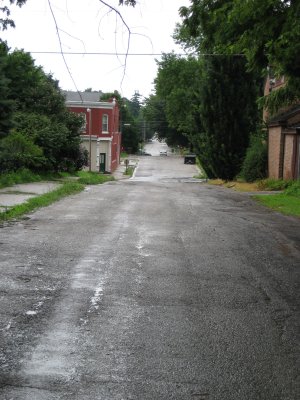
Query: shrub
[255, 163]
[274, 184]
[293, 189]
[23, 175]
[18, 151]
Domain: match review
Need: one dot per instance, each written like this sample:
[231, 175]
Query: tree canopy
[265, 32]
[154, 113]
[208, 105]
[6, 21]
[6, 103]
[34, 118]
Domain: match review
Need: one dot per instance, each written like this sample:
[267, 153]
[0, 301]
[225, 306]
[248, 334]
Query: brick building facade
[100, 134]
[283, 138]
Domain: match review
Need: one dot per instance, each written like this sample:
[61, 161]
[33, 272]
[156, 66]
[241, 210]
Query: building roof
[85, 96]
[291, 117]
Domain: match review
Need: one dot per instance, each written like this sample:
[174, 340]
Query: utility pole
[144, 130]
[90, 138]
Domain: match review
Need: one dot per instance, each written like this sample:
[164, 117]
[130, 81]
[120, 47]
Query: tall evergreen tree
[135, 105]
[228, 114]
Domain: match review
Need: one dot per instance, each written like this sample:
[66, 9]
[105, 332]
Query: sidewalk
[18, 194]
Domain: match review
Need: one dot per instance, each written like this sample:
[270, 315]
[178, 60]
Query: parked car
[144, 153]
[190, 159]
[163, 153]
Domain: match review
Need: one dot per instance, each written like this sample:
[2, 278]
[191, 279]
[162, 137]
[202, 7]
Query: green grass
[287, 202]
[68, 187]
[93, 178]
[129, 171]
[294, 189]
[44, 200]
[26, 176]
[21, 176]
[283, 203]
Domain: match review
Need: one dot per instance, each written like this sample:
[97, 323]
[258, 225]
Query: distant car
[190, 159]
[163, 153]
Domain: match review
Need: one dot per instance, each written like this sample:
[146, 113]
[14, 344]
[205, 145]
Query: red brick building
[100, 133]
[283, 138]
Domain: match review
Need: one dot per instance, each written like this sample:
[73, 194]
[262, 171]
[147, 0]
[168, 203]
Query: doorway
[102, 162]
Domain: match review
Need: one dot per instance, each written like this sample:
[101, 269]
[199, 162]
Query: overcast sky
[86, 26]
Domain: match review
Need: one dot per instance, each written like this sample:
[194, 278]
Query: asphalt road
[158, 287]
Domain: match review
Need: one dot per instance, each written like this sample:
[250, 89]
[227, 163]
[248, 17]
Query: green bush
[255, 163]
[274, 184]
[23, 175]
[293, 189]
[18, 151]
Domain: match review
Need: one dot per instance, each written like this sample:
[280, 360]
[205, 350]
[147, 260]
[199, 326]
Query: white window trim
[84, 125]
[104, 131]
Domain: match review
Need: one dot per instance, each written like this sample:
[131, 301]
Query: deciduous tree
[177, 87]
[6, 103]
[266, 32]
[6, 21]
[40, 115]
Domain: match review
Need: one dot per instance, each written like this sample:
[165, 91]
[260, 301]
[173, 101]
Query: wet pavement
[20, 193]
[155, 287]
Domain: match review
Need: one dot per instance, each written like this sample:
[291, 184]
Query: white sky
[86, 26]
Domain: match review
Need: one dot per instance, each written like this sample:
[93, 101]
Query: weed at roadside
[93, 178]
[129, 171]
[274, 184]
[21, 176]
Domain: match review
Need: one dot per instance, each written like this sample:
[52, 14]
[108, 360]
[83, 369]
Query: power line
[134, 54]
[100, 53]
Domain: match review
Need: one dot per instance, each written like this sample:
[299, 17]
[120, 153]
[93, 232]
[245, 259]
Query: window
[83, 126]
[105, 123]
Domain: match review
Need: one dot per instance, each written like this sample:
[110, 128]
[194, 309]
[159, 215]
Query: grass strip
[284, 203]
[93, 178]
[44, 200]
[26, 176]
